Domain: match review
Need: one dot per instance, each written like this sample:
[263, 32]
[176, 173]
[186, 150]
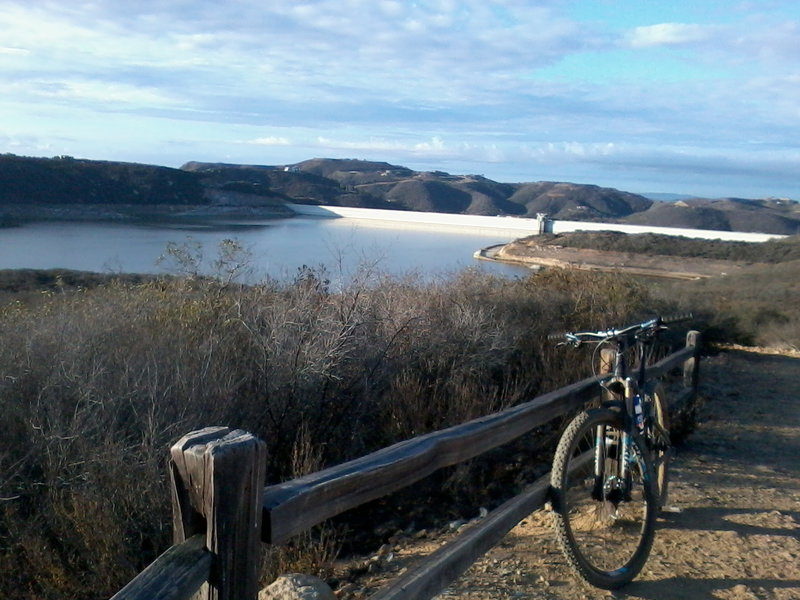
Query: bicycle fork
[614, 487]
[612, 478]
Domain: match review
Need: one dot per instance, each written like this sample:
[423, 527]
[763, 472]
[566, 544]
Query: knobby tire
[606, 540]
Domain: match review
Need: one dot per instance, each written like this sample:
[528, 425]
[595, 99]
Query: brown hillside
[730, 214]
[578, 202]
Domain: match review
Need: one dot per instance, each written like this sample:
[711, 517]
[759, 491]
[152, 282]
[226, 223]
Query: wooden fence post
[218, 482]
[605, 366]
[691, 368]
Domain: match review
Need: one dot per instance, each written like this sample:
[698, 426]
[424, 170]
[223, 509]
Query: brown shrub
[95, 385]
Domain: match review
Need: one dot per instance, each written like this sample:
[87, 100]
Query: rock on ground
[297, 586]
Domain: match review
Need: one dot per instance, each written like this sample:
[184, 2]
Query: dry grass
[754, 307]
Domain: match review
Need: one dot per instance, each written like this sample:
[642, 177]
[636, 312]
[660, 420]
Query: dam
[514, 227]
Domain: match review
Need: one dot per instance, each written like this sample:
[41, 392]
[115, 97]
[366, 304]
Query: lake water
[277, 247]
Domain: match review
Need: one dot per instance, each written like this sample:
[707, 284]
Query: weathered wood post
[691, 368]
[605, 367]
[606, 364]
[218, 481]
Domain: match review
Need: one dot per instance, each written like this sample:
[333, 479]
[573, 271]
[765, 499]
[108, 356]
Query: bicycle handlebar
[576, 337]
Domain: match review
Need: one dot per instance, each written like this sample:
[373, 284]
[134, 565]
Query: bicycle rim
[605, 538]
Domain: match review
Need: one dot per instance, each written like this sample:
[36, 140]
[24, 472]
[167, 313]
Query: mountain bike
[610, 471]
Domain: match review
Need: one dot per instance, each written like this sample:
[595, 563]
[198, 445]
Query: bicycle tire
[659, 438]
[606, 541]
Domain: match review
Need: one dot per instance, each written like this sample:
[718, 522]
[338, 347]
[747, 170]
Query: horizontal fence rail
[175, 575]
[447, 563]
[220, 509]
[294, 506]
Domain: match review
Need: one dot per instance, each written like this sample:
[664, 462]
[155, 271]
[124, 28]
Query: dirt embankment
[732, 528]
[528, 252]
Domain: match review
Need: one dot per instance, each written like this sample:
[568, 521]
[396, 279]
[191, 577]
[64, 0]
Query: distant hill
[727, 214]
[66, 187]
[578, 202]
[290, 183]
[218, 187]
[473, 194]
[66, 180]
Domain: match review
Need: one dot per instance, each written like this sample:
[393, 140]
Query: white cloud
[435, 148]
[99, 95]
[14, 51]
[220, 57]
[554, 152]
[435, 144]
[373, 145]
[669, 34]
[270, 141]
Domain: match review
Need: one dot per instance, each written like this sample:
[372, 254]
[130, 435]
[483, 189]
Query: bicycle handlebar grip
[676, 318]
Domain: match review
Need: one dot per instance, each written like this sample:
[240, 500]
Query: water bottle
[638, 413]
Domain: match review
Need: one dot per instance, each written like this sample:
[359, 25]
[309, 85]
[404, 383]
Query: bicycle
[610, 471]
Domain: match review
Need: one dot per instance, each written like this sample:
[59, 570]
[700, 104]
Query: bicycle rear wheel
[604, 523]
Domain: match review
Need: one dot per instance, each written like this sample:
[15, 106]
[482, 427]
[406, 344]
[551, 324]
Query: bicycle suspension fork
[615, 487]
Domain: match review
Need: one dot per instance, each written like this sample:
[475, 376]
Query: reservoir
[277, 248]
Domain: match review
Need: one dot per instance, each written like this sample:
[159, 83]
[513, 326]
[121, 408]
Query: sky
[696, 97]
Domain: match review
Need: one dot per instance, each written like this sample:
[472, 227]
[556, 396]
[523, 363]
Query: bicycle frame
[621, 384]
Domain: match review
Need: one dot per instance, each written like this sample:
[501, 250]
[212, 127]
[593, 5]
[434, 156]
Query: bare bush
[95, 384]
[755, 306]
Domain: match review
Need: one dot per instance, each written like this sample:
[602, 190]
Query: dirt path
[735, 530]
[732, 527]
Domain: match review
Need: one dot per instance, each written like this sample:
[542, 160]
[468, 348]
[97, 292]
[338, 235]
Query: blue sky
[695, 97]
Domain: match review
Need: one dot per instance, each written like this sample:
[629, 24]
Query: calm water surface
[278, 247]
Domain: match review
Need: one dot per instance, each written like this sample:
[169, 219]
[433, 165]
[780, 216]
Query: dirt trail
[732, 527]
[735, 530]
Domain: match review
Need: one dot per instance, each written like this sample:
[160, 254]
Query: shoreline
[489, 253]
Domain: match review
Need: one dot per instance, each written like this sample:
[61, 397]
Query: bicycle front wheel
[660, 441]
[604, 515]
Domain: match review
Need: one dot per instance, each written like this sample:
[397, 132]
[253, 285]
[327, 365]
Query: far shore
[17, 214]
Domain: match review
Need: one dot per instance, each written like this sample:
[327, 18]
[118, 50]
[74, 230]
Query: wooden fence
[221, 514]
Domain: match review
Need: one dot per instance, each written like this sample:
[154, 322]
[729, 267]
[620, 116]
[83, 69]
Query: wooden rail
[175, 575]
[220, 510]
[296, 505]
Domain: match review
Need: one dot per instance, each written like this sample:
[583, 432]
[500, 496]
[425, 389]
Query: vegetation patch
[98, 379]
[771, 251]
